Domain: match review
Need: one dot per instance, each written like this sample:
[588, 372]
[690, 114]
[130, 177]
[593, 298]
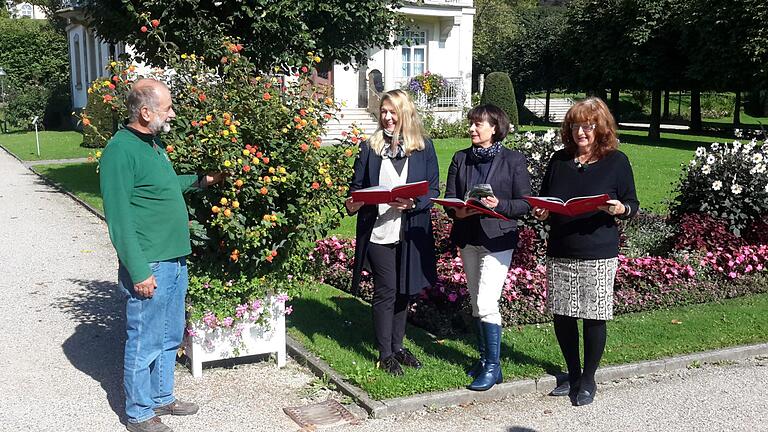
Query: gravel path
[62, 334]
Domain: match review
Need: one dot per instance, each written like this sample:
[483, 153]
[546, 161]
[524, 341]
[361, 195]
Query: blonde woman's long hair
[408, 130]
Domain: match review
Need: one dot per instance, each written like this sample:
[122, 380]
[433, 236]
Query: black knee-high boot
[595, 333]
[567, 333]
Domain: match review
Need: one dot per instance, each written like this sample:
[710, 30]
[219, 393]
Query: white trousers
[486, 272]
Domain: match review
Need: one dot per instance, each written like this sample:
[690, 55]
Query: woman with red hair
[582, 251]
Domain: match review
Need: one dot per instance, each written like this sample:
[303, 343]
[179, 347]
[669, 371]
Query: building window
[25, 10]
[414, 57]
[78, 64]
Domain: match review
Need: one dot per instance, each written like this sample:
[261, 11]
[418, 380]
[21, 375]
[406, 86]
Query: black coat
[509, 178]
[418, 262]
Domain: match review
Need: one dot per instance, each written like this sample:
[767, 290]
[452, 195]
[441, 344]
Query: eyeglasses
[585, 127]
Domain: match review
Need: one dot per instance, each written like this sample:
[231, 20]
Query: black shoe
[391, 365]
[585, 397]
[562, 390]
[406, 358]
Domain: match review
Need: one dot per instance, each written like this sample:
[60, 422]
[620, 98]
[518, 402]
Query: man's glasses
[585, 127]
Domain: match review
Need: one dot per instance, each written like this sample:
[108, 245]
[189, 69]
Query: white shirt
[387, 228]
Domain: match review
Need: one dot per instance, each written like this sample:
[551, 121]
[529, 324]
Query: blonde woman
[394, 240]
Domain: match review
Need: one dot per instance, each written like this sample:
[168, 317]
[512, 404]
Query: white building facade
[441, 32]
[21, 10]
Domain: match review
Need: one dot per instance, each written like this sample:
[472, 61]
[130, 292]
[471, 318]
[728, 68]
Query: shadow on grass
[79, 179]
[96, 347]
[349, 322]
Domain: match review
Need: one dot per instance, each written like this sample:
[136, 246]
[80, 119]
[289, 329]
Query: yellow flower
[233, 129]
[246, 152]
[281, 170]
[239, 160]
[227, 163]
[209, 118]
[223, 201]
[113, 64]
[285, 130]
[98, 154]
[90, 90]
[184, 56]
[235, 204]
[192, 56]
[225, 132]
[106, 83]
[271, 170]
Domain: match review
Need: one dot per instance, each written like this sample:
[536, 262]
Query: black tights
[567, 332]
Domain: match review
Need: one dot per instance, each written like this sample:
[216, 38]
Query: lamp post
[2, 97]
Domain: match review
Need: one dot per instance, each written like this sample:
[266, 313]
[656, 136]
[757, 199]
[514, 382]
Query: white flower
[736, 188]
[759, 168]
[559, 146]
[766, 187]
[736, 146]
[710, 159]
[530, 136]
[748, 147]
[706, 169]
[737, 133]
[693, 162]
[536, 156]
[715, 146]
[757, 158]
[717, 185]
[528, 145]
[701, 151]
[549, 135]
[530, 170]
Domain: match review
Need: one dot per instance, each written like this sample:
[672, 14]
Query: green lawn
[338, 328]
[80, 179]
[53, 145]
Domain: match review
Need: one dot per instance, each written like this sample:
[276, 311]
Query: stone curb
[542, 385]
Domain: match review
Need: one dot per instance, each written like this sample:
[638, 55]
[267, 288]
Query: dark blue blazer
[417, 262]
[509, 178]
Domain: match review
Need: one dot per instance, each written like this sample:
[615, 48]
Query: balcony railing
[452, 94]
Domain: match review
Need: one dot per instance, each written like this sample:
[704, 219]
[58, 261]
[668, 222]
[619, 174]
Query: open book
[572, 207]
[383, 194]
[471, 203]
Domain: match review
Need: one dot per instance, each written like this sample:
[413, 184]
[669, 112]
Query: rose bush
[283, 190]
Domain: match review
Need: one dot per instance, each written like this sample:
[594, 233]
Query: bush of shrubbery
[499, 91]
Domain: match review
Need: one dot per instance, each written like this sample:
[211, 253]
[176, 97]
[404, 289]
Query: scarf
[386, 151]
[482, 155]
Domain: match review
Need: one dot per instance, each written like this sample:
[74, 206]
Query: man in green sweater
[149, 228]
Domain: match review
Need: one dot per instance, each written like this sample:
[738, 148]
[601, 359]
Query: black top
[591, 235]
[508, 176]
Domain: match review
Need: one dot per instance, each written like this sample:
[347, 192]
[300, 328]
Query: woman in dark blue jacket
[487, 243]
[394, 240]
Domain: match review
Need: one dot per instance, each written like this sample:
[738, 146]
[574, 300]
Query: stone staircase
[360, 117]
[557, 107]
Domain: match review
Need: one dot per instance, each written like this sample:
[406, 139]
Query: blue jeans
[155, 328]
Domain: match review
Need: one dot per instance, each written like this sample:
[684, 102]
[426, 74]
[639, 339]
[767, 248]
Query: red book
[572, 207]
[383, 194]
[471, 203]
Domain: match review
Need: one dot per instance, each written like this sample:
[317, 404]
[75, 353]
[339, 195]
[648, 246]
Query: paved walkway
[62, 335]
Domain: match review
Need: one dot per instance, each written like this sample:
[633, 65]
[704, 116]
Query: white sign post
[37, 136]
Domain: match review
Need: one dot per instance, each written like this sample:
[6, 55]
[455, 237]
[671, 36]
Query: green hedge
[500, 92]
[35, 57]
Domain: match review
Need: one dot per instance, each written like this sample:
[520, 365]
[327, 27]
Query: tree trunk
[546, 105]
[615, 102]
[654, 131]
[695, 110]
[665, 113]
[737, 110]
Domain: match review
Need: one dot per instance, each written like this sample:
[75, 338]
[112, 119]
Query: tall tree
[273, 31]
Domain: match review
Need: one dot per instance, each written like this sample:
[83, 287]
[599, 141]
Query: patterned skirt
[581, 288]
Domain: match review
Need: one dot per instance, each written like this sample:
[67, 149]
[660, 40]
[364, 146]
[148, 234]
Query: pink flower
[289, 310]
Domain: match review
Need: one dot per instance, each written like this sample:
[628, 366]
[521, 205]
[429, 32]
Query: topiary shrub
[500, 92]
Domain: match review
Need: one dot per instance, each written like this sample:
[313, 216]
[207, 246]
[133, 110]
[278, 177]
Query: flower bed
[701, 258]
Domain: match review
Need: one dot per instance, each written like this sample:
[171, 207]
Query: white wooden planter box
[222, 343]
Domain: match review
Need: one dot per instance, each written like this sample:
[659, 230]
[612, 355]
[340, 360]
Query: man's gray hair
[141, 95]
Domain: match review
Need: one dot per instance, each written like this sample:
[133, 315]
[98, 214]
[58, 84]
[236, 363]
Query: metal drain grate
[320, 415]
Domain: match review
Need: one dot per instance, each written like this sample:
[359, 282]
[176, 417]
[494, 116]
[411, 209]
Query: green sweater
[143, 203]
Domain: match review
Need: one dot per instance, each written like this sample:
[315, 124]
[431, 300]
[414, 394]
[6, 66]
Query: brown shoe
[177, 408]
[152, 425]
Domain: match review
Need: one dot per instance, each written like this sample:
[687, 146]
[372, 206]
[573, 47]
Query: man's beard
[157, 126]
